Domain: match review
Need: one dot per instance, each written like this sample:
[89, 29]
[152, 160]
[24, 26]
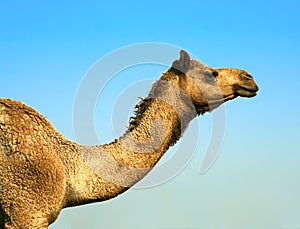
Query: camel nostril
[248, 76]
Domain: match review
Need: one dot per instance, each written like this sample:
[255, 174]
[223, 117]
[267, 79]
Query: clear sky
[47, 47]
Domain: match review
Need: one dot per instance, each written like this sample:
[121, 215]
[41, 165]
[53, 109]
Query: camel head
[209, 87]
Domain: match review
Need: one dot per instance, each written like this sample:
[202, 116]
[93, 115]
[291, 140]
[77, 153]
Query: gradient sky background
[47, 47]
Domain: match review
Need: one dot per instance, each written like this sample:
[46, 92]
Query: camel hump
[18, 114]
[22, 129]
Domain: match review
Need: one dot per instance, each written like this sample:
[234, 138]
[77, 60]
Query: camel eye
[215, 73]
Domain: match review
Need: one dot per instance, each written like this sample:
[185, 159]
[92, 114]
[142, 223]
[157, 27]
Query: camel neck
[159, 122]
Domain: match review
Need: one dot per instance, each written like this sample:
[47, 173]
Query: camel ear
[183, 63]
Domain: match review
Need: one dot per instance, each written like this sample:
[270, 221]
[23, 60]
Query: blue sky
[47, 47]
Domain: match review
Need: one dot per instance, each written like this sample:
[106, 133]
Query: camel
[41, 172]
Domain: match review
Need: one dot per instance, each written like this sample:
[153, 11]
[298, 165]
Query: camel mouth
[246, 91]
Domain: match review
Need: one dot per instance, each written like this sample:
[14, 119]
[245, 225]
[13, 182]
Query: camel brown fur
[42, 172]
